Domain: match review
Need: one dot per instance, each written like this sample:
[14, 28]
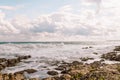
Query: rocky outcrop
[11, 62]
[117, 48]
[27, 70]
[52, 73]
[93, 71]
[113, 56]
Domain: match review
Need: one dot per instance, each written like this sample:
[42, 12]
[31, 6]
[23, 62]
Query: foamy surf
[45, 56]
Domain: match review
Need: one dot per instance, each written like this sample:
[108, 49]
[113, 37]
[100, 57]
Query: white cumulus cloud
[65, 24]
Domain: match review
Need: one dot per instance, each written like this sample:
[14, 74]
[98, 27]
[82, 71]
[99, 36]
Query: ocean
[45, 54]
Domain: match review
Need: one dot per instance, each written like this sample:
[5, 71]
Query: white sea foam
[43, 55]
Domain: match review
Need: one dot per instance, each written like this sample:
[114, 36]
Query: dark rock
[65, 77]
[77, 63]
[113, 56]
[12, 62]
[52, 73]
[86, 59]
[2, 60]
[27, 70]
[95, 53]
[117, 48]
[67, 70]
[34, 79]
[49, 78]
[24, 57]
[96, 64]
[60, 68]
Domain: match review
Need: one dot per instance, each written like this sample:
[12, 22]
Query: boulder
[27, 70]
[117, 48]
[113, 56]
[52, 73]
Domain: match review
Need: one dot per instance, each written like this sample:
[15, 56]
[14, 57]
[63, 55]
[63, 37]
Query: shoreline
[76, 70]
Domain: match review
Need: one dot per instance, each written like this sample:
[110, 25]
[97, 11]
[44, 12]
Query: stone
[49, 78]
[113, 56]
[117, 48]
[86, 59]
[2, 60]
[77, 63]
[27, 70]
[52, 73]
[19, 77]
[65, 77]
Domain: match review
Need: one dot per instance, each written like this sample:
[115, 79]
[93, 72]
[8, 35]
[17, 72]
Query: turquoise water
[54, 42]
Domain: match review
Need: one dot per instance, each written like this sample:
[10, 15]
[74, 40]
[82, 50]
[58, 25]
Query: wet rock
[117, 48]
[65, 77]
[34, 79]
[12, 76]
[77, 63]
[95, 53]
[12, 62]
[52, 73]
[5, 76]
[85, 47]
[1, 76]
[60, 68]
[90, 47]
[113, 56]
[65, 71]
[27, 70]
[24, 57]
[86, 59]
[1, 67]
[2, 60]
[96, 64]
[100, 75]
[49, 78]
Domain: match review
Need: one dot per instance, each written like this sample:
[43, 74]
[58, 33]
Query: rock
[60, 68]
[75, 76]
[65, 71]
[65, 77]
[96, 64]
[27, 70]
[19, 76]
[113, 56]
[1, 67]
[90, 47]
[117, 48]
[2, 60]
[30, 71]
[52, 73]
[5, 77]
[12, 76]
[12, 62]
[77, 63]
[24, 57]
[95, 53]
[1, 76]
[100, 75]
[34, 79]
[85, 47]
[86, 59]
[49, 78]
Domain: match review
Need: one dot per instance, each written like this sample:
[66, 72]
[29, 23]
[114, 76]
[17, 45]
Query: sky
[59, 20]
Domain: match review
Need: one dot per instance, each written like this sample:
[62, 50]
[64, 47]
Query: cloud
[65, 24]
[8, 7]
[5, 26]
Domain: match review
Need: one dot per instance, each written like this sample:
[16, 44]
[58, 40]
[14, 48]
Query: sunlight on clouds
[8, 7]
[97, 19]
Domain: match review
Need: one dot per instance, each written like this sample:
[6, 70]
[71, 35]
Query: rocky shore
[76, 70]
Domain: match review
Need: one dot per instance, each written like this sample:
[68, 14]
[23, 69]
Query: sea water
[45, 54]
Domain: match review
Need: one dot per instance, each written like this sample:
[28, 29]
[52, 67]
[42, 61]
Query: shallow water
[46, 54]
